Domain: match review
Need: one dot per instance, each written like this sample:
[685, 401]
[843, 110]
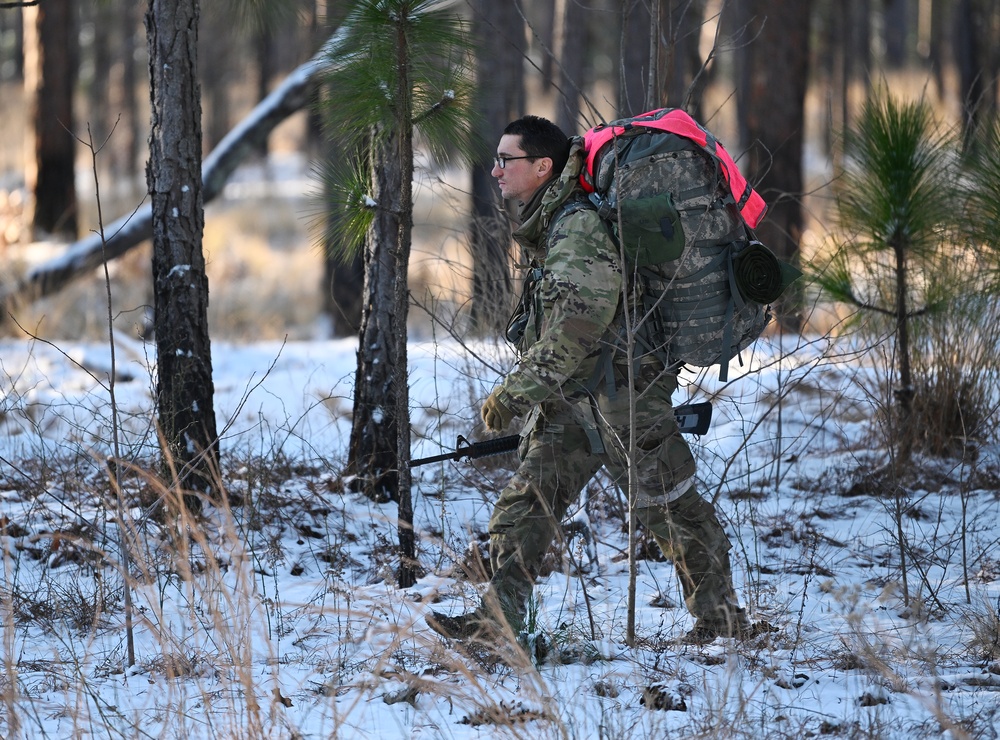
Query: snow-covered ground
[280, 617]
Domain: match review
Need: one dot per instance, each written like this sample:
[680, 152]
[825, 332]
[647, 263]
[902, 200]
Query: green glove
[495, 415]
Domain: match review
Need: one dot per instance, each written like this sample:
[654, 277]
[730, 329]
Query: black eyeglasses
[502, 161]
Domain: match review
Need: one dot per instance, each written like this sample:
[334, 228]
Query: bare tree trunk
[52, 51]
[772, 109]
[905, 392]
[343, 278]
[343, 294]
[975, 43]
[681, 62]
[403, 211]
[634, 63]
[895, 32]
[374, 432]
[547, 32]
[184, 388]
[572, 74]
[216, 81]
[499, 29]
[99, 115]
[130, 97]
[264, 46]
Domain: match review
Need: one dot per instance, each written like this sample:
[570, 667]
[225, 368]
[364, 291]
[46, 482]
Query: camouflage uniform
[570, 434]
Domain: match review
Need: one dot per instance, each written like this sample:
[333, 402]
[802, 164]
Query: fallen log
[131, 230]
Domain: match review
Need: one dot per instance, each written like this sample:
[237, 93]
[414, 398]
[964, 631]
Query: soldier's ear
[543, 167]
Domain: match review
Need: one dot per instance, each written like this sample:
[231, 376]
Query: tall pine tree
[403, 69]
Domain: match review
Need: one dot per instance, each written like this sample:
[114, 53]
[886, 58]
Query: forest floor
[277, 615]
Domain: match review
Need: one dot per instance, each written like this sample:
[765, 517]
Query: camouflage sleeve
[580, 292]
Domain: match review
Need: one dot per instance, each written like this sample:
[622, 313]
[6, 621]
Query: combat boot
[464, 627]
[739, 627]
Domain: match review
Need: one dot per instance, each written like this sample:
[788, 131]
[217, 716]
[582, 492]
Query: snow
[280, 617]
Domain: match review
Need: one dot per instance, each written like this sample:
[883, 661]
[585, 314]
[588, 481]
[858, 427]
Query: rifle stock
[692, 418]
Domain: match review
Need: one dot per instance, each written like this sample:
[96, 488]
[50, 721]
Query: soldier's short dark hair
[541, 138]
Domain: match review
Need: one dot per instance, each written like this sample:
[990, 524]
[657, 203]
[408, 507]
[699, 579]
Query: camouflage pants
[557, 461]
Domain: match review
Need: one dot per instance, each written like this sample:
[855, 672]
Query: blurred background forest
[777, 80]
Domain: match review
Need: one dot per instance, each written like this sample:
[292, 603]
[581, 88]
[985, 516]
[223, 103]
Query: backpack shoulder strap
[573, 204]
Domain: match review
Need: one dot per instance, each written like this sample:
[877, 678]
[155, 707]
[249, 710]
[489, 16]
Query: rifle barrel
[694, 418]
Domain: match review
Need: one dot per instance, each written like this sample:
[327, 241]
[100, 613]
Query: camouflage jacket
[573, 303]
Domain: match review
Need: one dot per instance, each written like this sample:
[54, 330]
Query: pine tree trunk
[499, 28]
[130, 99]
[406, 576]
[682, 86]
[573, 66]
[217, 50]
[342, 293]
[374, 430]
[976, 60]
[264, 45]
[99, 106]
[380, 437]
[184, 388]
[634, 74]
[50, 81]
[904, 393]
[771, 102]
[895, 32]
[343, 276]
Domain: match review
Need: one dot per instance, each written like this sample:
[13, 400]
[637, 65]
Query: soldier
[575, 422]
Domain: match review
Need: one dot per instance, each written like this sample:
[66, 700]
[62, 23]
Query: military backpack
[683, 214]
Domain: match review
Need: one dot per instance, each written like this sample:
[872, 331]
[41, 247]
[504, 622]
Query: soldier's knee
[696, 518]
[691, 508]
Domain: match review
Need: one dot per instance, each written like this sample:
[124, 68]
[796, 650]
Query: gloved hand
[495, 415]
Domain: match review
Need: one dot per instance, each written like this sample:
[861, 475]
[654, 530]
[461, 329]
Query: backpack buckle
[603, 206]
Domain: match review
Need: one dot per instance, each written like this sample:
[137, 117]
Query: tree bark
[51, 44]
[499, 30]
[546, 31]
[895, 32]
[184, 387]
[374, 430]
[936, 44]
[264, 46]
[905, 392]
[975, 57]
[403, 237]
[99, 117]
[132, 126]
[771, 102]
[343, 280]
[573, 71]
[217, 49]
[682, 86]
[634, 63]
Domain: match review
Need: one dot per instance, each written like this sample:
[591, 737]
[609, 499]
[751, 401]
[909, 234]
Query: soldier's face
[520, 177]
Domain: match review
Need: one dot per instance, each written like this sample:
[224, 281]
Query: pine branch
[446, 99]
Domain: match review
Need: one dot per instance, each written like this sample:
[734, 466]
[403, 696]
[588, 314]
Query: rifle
[692, 418]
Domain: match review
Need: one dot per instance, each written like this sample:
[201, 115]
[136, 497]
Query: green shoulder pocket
[651, 229]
